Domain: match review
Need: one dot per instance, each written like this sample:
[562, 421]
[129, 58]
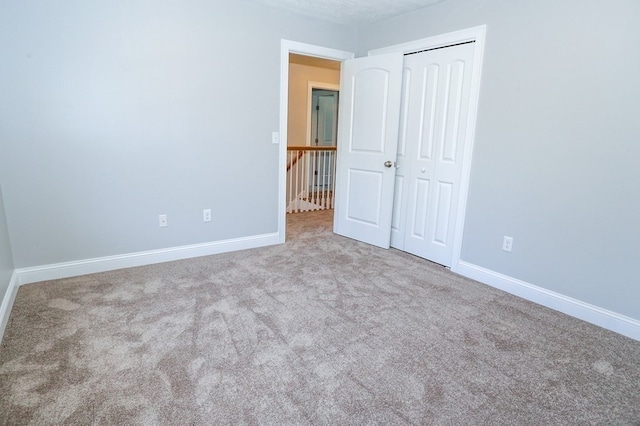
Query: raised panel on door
[437, 119]
[368, 135]
[364, 189]
[397, 222]
[444, 202]
[420, 199]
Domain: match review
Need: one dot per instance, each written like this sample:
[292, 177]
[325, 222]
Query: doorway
[324, 133]
[324, 116]
[312, 115]
[474, 35]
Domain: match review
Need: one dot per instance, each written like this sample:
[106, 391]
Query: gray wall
[6, 259]
[557, 154]
[114, 112]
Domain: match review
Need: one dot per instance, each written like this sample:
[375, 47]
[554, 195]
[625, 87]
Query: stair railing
[311, 178]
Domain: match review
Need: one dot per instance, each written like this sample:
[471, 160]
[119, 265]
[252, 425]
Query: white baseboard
[7, 303]
[590, 313]
[595, 315]
[110, 263]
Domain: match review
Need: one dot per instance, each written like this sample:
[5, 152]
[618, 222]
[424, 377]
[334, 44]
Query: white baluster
[310, 180]
[312, 177]
[298, 166]
[305, 179]
[333, 178]
[321, 179]
[316, 188]
[288, 182]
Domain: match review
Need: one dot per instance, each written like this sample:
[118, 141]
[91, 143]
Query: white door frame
[287, 47]
[476, 34]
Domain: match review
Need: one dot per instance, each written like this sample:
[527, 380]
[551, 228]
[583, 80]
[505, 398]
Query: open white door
[367, 144]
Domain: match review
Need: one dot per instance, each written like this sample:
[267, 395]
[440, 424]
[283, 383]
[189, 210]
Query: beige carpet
[321, 330]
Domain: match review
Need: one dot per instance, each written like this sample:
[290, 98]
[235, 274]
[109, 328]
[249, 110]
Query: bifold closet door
[433, 121]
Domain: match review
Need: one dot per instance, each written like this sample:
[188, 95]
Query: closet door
[435, 109]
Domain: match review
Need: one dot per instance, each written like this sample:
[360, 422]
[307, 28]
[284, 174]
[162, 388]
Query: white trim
[590, 313]
[470, 34]
[310, 86]
[286, 47]
[7, 302]
[476, 34]
[109, 263]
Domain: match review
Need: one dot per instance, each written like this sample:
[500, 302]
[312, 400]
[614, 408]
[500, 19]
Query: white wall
[114, 112]
[557, 145]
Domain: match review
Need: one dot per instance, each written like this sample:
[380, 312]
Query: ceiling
[350, 12]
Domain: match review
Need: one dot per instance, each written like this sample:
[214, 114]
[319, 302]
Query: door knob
[388, 164]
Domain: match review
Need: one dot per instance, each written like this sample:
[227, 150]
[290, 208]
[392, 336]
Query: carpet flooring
[320, 330]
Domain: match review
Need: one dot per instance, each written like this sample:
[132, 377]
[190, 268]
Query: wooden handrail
[311, 148]
[295, 160]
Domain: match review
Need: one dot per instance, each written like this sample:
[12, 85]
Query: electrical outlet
[275, 137]
[162, 220]
[206, 215]
[507, 243]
